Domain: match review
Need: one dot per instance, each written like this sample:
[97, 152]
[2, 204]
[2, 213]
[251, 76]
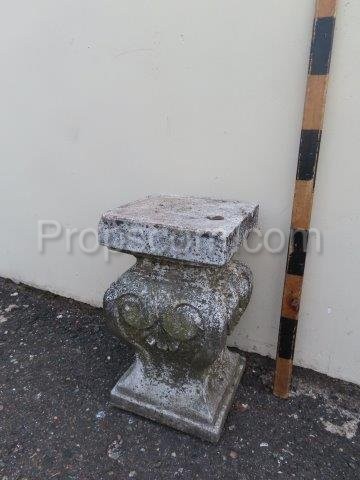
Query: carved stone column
[177, 305]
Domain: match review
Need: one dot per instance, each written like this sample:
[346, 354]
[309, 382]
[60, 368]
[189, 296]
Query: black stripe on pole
[287, 338]
[297, 252]
[321, 46]
[308, 154]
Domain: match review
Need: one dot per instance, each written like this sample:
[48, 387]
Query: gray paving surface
[58, 364]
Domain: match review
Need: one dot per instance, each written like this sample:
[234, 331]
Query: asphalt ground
[58, 364]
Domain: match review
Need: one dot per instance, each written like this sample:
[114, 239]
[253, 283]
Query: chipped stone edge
[213, 249]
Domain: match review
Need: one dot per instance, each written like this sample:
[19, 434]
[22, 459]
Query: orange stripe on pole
[326, 8]
[315, 102]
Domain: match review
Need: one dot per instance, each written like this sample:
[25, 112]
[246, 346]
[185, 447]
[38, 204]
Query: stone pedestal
[177, 305]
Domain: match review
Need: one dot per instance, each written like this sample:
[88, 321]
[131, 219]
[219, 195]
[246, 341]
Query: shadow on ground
[58, 364]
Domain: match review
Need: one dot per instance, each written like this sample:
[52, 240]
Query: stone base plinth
[197, 406]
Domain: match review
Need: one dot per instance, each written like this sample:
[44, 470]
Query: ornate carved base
[178, 317]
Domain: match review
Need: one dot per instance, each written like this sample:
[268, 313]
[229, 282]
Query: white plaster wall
[103, 102]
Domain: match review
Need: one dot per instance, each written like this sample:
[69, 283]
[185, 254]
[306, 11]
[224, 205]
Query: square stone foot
[186, 408]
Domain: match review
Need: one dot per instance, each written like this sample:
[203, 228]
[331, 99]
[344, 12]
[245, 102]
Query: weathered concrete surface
[199, 230]
[178, 317]
[178, 313]
[58, 363]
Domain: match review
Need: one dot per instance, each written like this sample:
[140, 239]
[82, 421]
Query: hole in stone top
[215, 217]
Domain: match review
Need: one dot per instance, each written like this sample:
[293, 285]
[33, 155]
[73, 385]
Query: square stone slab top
[197, 230]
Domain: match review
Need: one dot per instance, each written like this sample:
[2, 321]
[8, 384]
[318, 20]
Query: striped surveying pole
[320, 55]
